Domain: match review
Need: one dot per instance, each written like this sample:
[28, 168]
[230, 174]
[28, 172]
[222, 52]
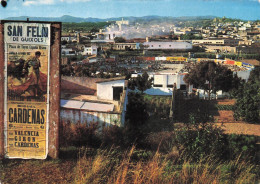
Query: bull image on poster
[27, 52]
[26, 80]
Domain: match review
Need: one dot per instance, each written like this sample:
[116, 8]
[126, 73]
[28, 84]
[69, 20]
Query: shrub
[113, 135]
[199, 142]
[155, 140]
[66, 133]
[86, 134]
[79, 134]
[244, 146]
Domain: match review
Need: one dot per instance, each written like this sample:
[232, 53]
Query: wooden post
[54, 114]
[2, 64]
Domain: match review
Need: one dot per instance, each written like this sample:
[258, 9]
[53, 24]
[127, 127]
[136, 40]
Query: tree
[211, 77]
[64, 42]
[237, 85]
[136, 117]
[136, 110]
[142, 46]
[119, 40]
[247, 106]
[142, 83]
[190, 36]
[94, 30]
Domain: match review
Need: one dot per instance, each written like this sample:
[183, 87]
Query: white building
[67, 38]
[167, 45]
[110, 89]
[68, 52]
[178, 31]
[107, 106]
[108, 35]
[216, 42]
[163, 83]
[92, 50]
[243, 28]
[122, 23]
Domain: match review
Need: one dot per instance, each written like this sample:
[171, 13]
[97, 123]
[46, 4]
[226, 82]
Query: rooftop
[111, 79]
[89, 106]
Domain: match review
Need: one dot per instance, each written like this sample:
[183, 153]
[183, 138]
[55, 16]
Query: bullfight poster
[27, 56]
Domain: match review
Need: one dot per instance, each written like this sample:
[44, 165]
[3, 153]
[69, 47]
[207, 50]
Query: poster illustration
[27, 51]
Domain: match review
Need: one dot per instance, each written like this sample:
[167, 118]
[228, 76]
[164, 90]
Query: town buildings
[104, 101]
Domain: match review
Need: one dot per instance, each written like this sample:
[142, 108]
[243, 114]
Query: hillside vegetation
[84, 26]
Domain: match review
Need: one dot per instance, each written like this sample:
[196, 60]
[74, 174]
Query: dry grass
[112, 166]
[160, 169]
[37, 171]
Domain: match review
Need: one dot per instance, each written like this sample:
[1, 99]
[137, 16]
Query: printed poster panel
[27, 51]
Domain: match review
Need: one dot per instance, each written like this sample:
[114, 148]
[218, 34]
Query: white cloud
[256, 0]
[36, 2]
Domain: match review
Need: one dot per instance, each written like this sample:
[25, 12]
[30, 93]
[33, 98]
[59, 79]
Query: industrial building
[167, 45]
[226, 42]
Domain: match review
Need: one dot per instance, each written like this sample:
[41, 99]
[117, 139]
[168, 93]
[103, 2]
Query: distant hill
[64, 18]
[68, 18]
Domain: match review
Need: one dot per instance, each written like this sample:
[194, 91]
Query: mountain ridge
[68, 18]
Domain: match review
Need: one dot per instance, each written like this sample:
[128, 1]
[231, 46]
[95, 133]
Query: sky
[242, 9]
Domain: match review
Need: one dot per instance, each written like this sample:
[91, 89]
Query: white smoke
[140, 30]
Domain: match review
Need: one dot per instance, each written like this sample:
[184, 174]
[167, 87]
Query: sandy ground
[226, 120]
[226, 101]
[240, 128]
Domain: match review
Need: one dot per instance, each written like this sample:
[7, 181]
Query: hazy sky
[243, 9]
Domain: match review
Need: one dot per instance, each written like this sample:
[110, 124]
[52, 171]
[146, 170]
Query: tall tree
[211, 77]
[136, 118]
[247, 106]
[142, 83]
[136, 109]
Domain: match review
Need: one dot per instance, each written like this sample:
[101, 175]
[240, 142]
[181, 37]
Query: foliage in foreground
[194, 153]
[195, 140]
[114, 166]
[107, 168]
[247, 107]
